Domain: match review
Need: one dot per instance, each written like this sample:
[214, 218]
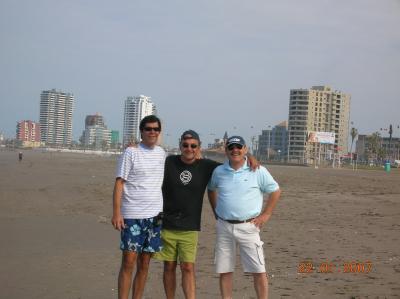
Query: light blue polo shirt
[240, 192]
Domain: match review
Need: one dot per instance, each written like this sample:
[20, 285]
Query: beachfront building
[375, 150]
[272, 143]
[136, 108]
[96, 136]
[219, 143]
[115, 139]
[56, 117]
[94, 120]
[318, 109]
[28, 133]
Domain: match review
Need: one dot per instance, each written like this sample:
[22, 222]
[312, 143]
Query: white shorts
[247, 237]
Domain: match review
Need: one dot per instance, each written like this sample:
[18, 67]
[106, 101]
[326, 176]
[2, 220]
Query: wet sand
[57, 240]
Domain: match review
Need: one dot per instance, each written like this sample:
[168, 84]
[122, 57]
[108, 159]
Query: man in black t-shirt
[185, 180]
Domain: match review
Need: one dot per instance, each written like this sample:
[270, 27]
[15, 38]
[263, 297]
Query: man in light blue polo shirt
[236, 196]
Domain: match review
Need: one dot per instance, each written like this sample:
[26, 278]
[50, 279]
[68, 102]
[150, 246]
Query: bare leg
[139, 282]
[125, 273]
[188, 280]
[225, 284]
[261, 285]
[169, 279]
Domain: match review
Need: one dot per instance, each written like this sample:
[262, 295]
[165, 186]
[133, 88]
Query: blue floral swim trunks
[141, 235]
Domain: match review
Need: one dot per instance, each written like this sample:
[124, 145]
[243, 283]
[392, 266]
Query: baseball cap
[190, 134]
[235, 140]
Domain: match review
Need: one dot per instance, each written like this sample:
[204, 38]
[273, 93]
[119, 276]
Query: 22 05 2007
[331, 267]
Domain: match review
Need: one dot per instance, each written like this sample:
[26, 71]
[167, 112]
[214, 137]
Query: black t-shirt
[183, 191]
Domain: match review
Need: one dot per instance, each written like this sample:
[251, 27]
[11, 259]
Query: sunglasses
[156, 129]
[233, 146]
[186, 145]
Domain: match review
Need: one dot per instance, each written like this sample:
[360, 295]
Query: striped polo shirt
[142, 168]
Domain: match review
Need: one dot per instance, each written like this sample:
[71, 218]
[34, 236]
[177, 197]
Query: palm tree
[374, 149]
[353, 133]
[105, 146]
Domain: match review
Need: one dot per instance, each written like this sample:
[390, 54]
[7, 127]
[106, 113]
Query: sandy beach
[57, 240]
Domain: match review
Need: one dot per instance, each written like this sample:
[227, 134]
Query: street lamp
[269, 141]
[253, 141]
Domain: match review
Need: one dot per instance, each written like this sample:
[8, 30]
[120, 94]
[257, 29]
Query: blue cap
[235, 140]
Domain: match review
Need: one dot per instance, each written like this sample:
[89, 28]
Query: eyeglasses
[233, 146]
[192, 145]
[156, 129]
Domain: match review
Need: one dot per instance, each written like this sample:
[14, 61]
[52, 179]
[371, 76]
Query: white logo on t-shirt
[185, 177]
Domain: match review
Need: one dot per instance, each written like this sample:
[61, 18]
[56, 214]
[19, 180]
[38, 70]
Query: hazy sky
[209, 65]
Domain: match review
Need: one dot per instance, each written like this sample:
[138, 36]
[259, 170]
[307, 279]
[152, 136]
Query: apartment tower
[56, 117]
[136, 108]
[96, 135]
[272, 143]
[317, 109]
[94, 120]
[28, 133]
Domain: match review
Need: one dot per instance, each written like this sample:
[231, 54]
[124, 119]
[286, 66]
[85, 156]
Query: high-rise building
[56, 117]
[136, 108]
[272, 143]
[319, 109]
[96, 135]
[94, 120]
[28, 133]
[115, 139]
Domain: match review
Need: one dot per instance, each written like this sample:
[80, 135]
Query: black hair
[149, 119]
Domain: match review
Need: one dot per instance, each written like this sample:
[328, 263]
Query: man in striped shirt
[137, 201]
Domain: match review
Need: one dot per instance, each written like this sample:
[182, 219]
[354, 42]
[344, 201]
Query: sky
[210, 65]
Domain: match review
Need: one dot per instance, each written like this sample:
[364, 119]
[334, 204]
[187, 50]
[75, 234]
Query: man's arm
[252, 162]
[269, 207]
[117, 220]
[212, 197]
[199, 155]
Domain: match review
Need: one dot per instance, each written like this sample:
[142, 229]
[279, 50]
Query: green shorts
[178, 246]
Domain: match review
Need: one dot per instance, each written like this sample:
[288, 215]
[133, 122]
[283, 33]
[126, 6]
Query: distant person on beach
[137, 203]
[236, 195]
[20, 156]
[185, 180]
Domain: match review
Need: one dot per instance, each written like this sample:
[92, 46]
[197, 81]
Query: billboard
[321, 137]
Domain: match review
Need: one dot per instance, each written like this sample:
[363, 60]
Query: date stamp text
[331, 267]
